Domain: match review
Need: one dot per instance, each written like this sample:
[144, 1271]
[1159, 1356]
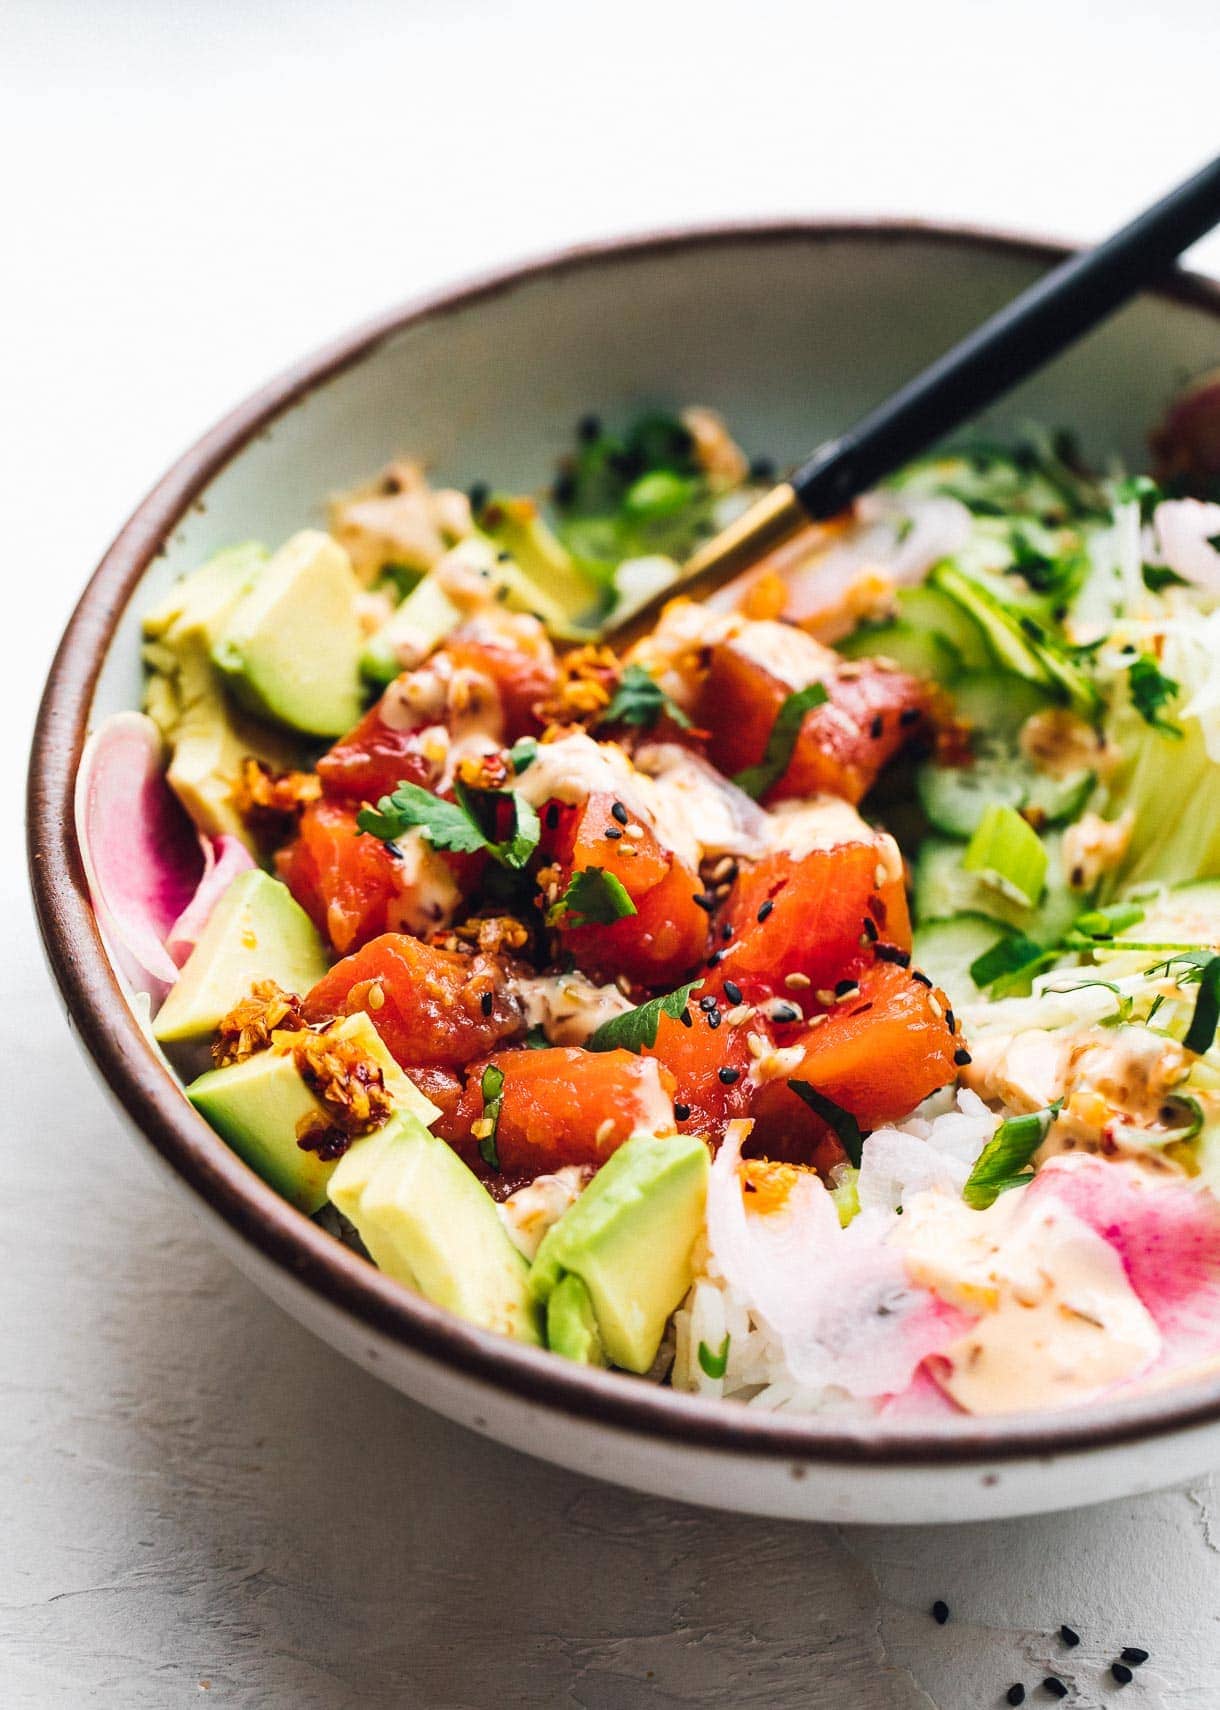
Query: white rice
[934, 1148]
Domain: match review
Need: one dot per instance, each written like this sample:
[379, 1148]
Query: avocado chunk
[257, 931]
[628, 1238]
[262, 1105]
[208, 737]
[571, 1324]
[571, 595]
[429, 1222]
[290, 648]
[420, 623]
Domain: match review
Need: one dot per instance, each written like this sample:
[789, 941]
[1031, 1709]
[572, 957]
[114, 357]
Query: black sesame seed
[785, 1012]
[919, 975]
[762, 469]
[909, 716]
[686, 1018]
[1121, 1673]
[1070, 1637]
[726, 931]
[876, 727]
[552, 816]
[1054, 1686]
[728, 1076]
[681, 1112]
[715, 959]
[485, 1003]
[1015, 1694]
[1135, 1655]
[588, 428]
[869, 928]
[950, 1021]
[842, 987]
[706, 1004]
[478, 494]
[613, 832]
[732, 991]
[961, 1057]
[620, 813]
[891, 953]
[703, 900]
[940, 1611]
[765, 910]
[713, 1019]
[564, 490]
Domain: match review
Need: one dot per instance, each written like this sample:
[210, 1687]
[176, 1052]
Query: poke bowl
[769, 1061]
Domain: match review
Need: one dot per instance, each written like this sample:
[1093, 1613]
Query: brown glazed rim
[153, 1099]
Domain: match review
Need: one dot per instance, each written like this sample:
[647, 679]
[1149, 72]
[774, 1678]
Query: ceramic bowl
[791, 331]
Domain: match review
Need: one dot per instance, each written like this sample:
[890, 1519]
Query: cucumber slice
[1059, 800]
[1020, 642]
[923, 652]
[945, 949]
[955, 798]
[927, 608]
[994, 705]
[944, 888]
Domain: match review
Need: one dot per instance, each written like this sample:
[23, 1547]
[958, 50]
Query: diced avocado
[259, 1107]
[428, 1221]
[256, 932]
[290, 648]
[419, 624]
[208, 738]
[199, 604]
[629, 1238]
[571, 1324]
[517, 527]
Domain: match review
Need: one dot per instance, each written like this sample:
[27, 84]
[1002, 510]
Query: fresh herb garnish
[1002, 1162]
[1201, 1034]
[637, 1028]
[1108, 922]
[842, 1121]
[1159, 576]
[1140, 490]
[523, 752]
[757, 780]
[399, 580]
[714, 1365]
[536, 1040]
[593, 897]
[1011, 955]
[1213, 540]
[1151, 690]
[640, 700]
[455, 825]
[492, 1089]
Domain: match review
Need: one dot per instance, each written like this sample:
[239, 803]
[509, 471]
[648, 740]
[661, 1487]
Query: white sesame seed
[605, 1131]
[633, 830]
[824, 995]
[797, 982]
[934, 1004]
[879, 875]
[758, 1046]
[735, 1017]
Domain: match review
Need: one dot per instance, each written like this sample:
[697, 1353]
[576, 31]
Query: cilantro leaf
[637, 1028]
[523, 752]
[593, 898]
[1213, 540]
[1150, 690]
[1201, 1034]
[446, 825]
[492, 1088]
[454, 825]
[1014, 955]
[1159, 576]
[757, 780]
[851, 1137]
[1002, 1162]
[1140, 490]
[640, 700]
[715, 1365]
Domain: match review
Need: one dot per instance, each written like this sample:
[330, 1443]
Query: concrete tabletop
[199, 1504]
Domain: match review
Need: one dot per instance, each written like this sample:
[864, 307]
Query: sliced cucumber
[945, 949]
[996, 706]
[928, 609]
[956, 797]
[1020, 642]
[923, 652]
[944, 888]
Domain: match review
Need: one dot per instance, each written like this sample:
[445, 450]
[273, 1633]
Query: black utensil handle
[1013, 344]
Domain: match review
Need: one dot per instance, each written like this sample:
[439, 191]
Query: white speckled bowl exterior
[791, 332]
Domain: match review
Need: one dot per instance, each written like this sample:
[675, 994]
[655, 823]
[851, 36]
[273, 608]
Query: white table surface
[199, 1503]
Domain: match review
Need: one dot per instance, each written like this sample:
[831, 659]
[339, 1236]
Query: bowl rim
[153, 1099]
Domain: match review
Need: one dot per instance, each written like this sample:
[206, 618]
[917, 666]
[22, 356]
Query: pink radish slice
[141, 855]
[223, 860]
